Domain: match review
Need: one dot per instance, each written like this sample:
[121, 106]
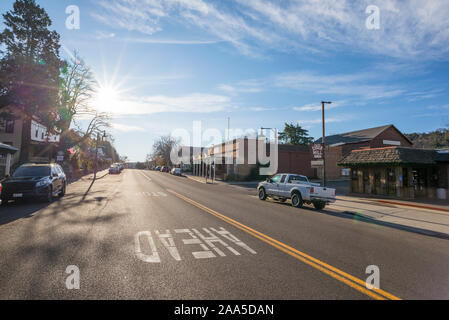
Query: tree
[30, 63]
[294, 134]
[162, 149]
[76, 90]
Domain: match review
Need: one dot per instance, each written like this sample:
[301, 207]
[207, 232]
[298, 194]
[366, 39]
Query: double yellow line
[335, 273]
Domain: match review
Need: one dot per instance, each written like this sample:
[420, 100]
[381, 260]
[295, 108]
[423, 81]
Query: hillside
[432, 140]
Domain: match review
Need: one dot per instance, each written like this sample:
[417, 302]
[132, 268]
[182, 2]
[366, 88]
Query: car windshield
[32, 172]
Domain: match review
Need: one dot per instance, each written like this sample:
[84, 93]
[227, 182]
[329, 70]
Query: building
[30, 137]
[238, 158]
[399, 172]
[6, 154]
[339, 145]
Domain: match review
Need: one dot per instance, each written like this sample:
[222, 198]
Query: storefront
[398, 172]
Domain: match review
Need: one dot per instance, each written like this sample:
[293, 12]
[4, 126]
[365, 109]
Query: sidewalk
[399, 214]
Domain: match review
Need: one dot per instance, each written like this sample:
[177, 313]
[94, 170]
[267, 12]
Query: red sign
[317, 150]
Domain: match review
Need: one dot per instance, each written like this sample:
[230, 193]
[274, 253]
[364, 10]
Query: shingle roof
[390, 155]
[355, 136]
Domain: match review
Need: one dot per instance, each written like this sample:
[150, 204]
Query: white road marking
[205, 254]
[169, 243]
[154, 258]
[205, 239]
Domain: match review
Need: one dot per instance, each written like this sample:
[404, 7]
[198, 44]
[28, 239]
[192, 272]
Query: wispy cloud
[318, 107]
[416, 29]
[127, 128]
[193, 103]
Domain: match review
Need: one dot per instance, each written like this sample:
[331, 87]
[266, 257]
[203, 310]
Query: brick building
[340, 145]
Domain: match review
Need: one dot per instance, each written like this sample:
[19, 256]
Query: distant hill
[432, 140]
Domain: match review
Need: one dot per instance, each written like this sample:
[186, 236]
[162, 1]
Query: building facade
[399, 172]
[31, 138]
[339, 145]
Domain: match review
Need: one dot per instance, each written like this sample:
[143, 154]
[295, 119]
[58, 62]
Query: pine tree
[30, 63]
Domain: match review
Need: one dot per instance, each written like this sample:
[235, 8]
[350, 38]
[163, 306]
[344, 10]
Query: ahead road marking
[207, 240]
[335, 273]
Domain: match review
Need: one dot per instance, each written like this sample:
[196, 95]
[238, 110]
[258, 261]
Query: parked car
[297, 188]
[158, 168]
[37, 181]
[114, 169]
[165, 169]
[176, 171]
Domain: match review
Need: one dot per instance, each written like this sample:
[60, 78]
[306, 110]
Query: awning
[5, 149]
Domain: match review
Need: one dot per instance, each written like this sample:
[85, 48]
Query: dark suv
[37, 181]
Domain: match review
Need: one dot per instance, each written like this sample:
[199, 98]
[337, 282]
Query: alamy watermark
[72, 282]
[373, 280]
[245, 147]
[373, 20]
[73, 21]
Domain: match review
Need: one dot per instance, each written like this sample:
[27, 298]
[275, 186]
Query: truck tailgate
[323, 193]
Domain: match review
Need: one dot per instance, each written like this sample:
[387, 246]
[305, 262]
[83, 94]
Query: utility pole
[323, 103]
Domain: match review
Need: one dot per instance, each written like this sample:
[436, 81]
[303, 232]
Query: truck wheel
[297, 201]
[262, 194]
[319, 205]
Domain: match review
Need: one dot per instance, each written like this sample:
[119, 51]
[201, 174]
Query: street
[151, 235]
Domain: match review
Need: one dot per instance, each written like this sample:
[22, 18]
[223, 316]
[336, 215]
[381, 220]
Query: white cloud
[127, 128]
[408, 29]
[318, 107]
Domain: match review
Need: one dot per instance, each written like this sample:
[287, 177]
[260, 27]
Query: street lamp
[96, 152]
[323, 103]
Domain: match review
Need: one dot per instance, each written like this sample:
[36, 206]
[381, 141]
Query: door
[391, 182]
[273, 187]
[56, 176]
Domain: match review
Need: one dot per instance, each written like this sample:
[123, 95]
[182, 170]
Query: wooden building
[398, 172]
[340, 145]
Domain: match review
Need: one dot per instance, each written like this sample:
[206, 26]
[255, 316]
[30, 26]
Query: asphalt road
[150, 235]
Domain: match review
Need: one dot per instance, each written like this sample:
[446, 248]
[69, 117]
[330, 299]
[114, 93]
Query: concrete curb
[402, 227]
[414, 205]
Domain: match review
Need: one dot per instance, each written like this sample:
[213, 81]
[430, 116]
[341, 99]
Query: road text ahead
[212, 242]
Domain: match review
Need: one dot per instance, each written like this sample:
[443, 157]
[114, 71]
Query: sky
[164, 65]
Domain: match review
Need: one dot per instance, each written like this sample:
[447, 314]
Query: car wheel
[319, 205]
[49, 197]
[262, 194]
[62, 193]
[297, 200]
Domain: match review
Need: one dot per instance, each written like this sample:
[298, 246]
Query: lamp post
[323, 103]
[96, 153]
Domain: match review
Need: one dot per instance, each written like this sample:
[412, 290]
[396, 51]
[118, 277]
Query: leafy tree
[30, 63]
[162, 149]
[294, 134]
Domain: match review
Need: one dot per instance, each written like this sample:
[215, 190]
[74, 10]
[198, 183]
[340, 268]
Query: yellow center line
[336, 273]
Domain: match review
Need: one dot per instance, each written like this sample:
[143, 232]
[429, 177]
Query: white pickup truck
[285, 186]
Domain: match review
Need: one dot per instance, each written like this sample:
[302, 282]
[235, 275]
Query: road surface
[150, 235]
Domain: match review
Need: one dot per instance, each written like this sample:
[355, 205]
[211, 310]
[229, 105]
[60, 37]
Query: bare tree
[77, 89]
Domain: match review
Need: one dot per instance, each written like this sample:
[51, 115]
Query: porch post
[8, 164]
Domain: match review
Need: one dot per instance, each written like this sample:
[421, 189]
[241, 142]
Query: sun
[106, 97]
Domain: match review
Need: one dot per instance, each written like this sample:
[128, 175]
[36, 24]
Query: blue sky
[166, 63]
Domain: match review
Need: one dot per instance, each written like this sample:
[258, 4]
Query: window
[6, 126]
[283, 178]
[295, 179]
[276, 178]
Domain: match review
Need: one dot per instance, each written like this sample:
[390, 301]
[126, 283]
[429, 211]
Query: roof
[357, 136]
[389, 156]
[5, 148]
